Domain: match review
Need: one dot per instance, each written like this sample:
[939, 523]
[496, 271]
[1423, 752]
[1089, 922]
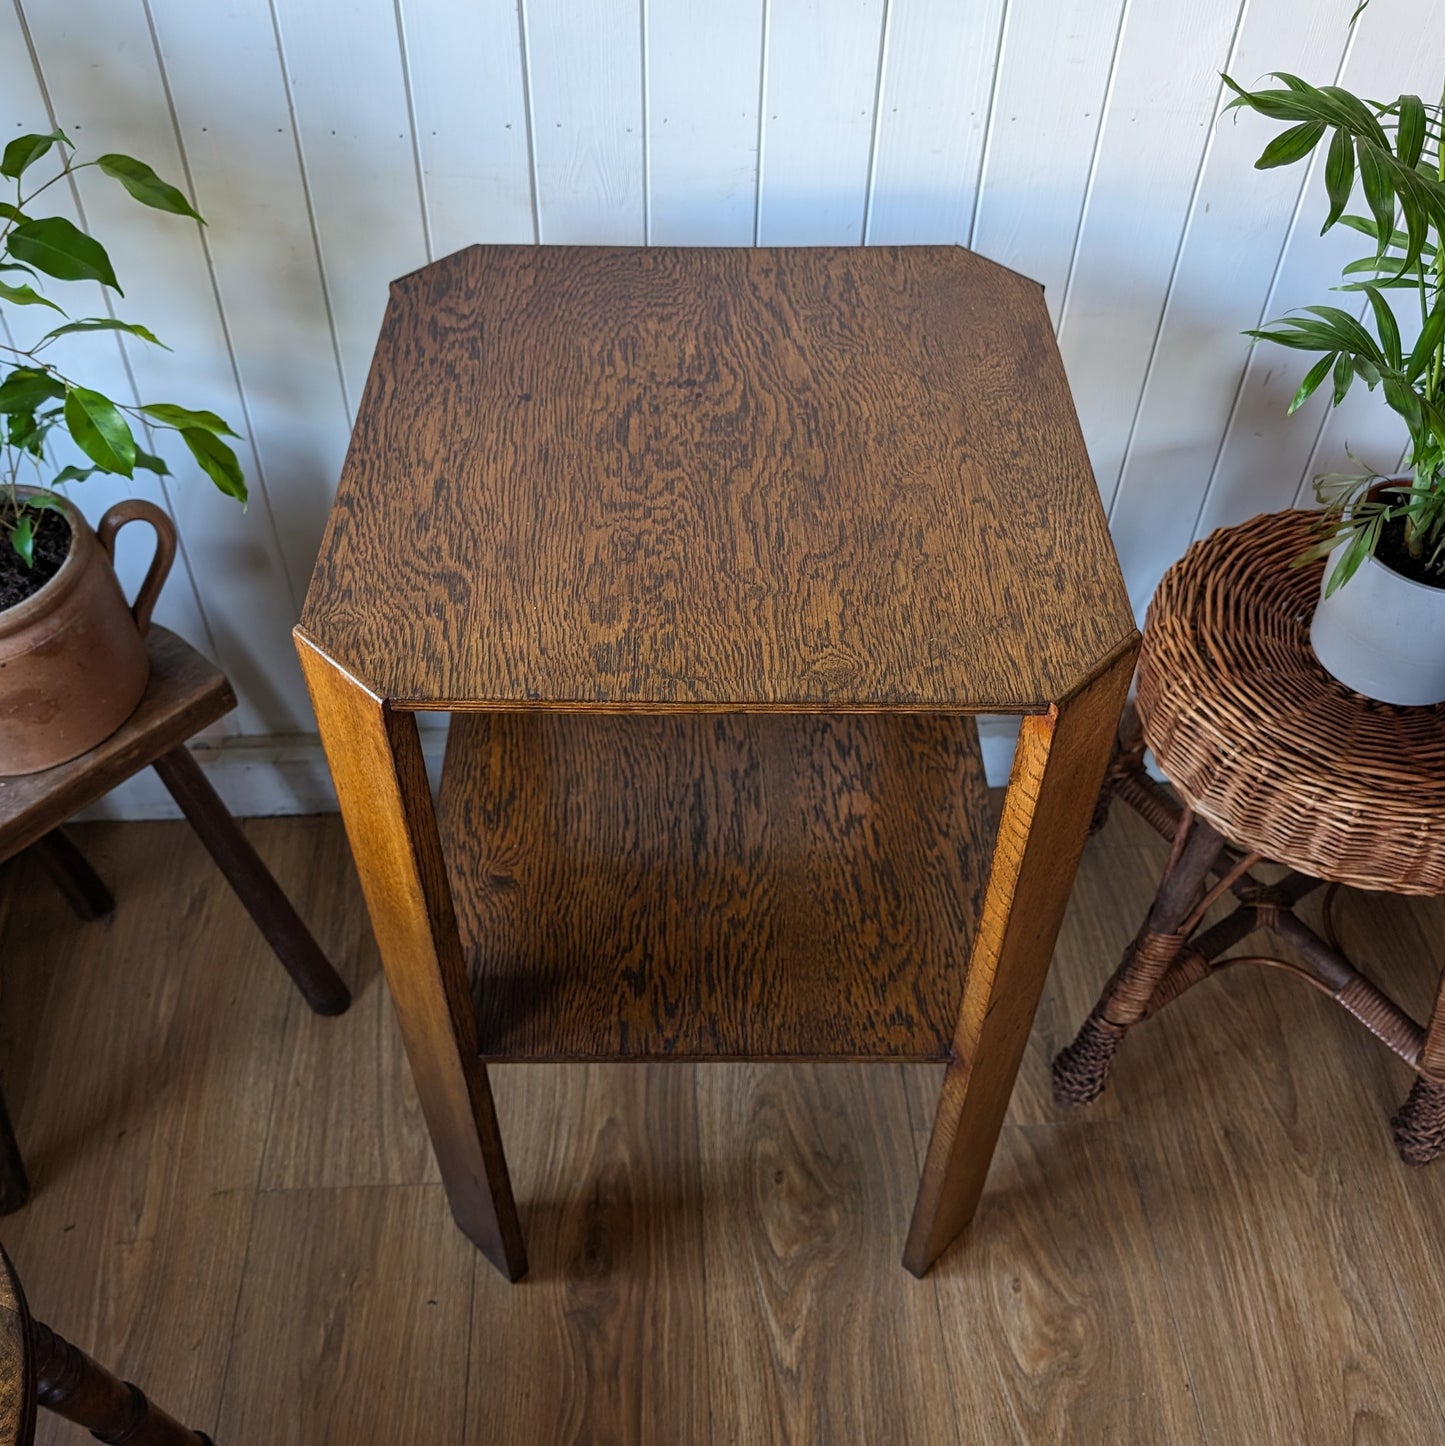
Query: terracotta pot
[73, 660]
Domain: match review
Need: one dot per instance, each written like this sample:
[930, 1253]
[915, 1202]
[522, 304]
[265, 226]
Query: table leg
[254, 883]
[84, 889]
[375, 757]
[14, 1186]
[1057, 770]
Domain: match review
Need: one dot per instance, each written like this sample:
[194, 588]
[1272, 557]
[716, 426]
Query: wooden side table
[712, 554]
[186, 692]
[1274, 761]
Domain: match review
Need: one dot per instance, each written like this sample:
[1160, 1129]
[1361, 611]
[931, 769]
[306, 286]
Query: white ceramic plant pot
[1383, 635]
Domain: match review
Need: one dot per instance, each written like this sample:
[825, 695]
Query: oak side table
[712, 554]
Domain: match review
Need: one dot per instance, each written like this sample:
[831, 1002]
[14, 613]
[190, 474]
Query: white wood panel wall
[334, 144]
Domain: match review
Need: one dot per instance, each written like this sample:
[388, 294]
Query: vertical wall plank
[232, 109]
[1161, 110]
[587, 120]
[465, 65]
[1265, 456]
[1237, 227]
[703, 71]
[103, 80]
[348, 93]
[1053, 73]
[933, 114]
[818, 105]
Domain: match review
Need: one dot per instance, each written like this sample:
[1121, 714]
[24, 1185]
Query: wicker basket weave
[1263, 743]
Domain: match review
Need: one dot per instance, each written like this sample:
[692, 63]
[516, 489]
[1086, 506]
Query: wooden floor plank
[606, 1339]
[344, 1116]
[1259, 1141]
[233, 1203]
[352, 1325]
[147, 1048]
[815, 1331]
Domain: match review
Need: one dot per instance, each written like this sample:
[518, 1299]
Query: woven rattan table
[1274, 761]
[711, 554]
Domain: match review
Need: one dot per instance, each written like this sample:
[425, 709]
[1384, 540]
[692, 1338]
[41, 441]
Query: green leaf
[24, 151]
[151, 463]
[12, 213]
[1353, 112]
[146, 186]
[72, 474]
[1291, 145]
[25, 296]
[104, 323]
[1430, 336]
[1313, 378]
[22, 539]
[1357, 339]
[1386, 325]
[1370, 229]
[45, 502]
[1404, 400]
[1339, 175]
[1366, 371]
[217, 460]
[1379, 193]
[1410, 132]
[27, 388]
[170, 415]
[1344, 375]
[62, 250]
[100, 431]
[1276, 104]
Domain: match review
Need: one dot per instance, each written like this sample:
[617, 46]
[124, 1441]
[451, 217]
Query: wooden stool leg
[14, 1185]
[72, 1385]
[318, 982]
[1082, 1068]
[84, 889]
[1419, 1124]
[375, 757]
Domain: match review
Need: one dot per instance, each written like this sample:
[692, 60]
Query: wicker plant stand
[1273, 761]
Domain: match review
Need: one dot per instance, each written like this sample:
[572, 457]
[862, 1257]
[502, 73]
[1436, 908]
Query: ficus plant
[36, 398]
[1390, 153]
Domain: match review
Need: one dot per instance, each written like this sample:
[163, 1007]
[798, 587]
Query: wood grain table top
[656, 479]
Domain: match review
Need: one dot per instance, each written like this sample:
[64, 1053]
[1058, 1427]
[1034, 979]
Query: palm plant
[1391, 152]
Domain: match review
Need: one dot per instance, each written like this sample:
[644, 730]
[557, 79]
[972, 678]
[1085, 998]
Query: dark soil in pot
[1392, 551]
[52, 544]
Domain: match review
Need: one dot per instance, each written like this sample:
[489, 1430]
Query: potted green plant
[1380, 624]
[73, 663]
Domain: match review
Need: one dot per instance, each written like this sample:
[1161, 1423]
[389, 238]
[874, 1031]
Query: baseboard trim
[287, 774]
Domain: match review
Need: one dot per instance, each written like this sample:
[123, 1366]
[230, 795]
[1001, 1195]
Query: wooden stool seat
[1274, 762]
[185, 693]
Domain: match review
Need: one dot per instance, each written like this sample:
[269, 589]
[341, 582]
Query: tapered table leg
[1057, 770]
[376, 761]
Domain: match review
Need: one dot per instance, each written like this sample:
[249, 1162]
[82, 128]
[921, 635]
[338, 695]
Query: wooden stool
[185, 694]
[1275, 762]
[38, 1365]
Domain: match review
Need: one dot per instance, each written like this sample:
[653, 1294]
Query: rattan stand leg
[1419, 1123]
[1081, 1070]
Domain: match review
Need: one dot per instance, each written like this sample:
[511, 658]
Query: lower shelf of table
[744, 886]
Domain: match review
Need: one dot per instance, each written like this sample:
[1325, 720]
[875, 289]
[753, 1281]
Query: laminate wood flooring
[235, 1205]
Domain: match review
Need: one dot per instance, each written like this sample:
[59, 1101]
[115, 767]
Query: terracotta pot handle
[135, 509]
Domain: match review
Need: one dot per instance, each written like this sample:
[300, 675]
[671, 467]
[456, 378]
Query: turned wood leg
[14, 1185]
[70, 1383]
[1081, 1069]
[376, 761]
[253, 882]
[84, 889]
[1057, 769]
